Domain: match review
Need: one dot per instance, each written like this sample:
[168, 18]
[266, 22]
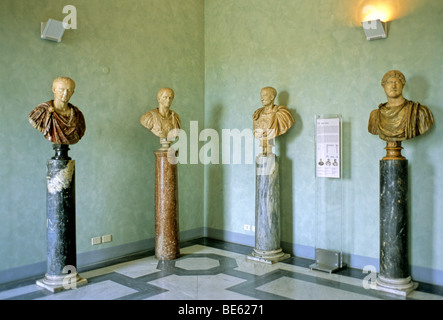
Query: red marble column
[167, 243]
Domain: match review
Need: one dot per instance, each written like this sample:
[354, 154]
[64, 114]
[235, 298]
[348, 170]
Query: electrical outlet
[107, 238]
[247, 227]
[96, 240]
[253, 228]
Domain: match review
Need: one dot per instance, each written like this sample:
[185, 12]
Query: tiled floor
[213, 270]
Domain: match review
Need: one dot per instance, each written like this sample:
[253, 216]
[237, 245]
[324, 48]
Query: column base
[59, 283]
[167, 257]
[400, 287]
[268, 257]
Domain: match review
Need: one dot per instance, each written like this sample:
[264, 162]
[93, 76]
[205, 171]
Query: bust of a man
[162, 120]
[58, 120]
[270, 121]
[398, 119]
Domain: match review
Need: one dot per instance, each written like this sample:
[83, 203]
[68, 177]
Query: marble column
[167, 243]
[61, 250]
[267, 211]
[394, 276]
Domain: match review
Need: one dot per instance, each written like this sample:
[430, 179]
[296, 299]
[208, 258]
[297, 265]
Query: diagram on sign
[328, 147]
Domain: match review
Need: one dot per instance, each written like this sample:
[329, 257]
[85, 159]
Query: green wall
[216, 55]
[146, 45]
[316, 55]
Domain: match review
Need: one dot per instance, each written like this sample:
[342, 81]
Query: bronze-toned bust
[270, 121]
[398, 119]
[58, 120]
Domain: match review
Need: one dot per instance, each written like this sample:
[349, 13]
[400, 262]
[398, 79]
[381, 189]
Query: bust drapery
[398, 119]
[59, 121]
[58, 128]
[400, 123]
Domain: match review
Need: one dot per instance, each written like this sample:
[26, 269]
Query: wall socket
[96, 240]
[102, 239]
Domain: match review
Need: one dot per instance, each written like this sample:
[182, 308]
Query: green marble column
[394, 273]
[61, 249]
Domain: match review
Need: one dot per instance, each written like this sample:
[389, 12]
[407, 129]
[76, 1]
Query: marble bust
[162, 120]
[398, 119]
[59, 121]
[270, 121]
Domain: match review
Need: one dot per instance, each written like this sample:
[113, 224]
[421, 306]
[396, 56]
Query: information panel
[328, 189]
[328, 147]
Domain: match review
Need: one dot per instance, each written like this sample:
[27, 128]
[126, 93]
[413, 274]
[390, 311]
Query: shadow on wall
[421, 213]
[286, 171]
[417, 88]
[346, 150]
[215, 181]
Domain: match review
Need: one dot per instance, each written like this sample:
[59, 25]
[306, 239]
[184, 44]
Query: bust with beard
[398, 119]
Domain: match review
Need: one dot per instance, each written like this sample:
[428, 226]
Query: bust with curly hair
[398, 119]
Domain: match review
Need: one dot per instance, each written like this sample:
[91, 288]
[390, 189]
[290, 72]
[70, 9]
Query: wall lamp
[375, 19]
[375, 29]
[52, 30]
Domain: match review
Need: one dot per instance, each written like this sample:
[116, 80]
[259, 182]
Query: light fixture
[52, 30]
[375, 29]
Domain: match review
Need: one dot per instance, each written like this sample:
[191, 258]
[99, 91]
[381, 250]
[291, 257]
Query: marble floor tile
[105, 290]
[198, 288]
[136, 268]
[18, 291]
[197, 264]
[302, 290]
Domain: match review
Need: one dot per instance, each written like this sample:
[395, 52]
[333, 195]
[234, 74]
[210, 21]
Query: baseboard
[96, 258]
